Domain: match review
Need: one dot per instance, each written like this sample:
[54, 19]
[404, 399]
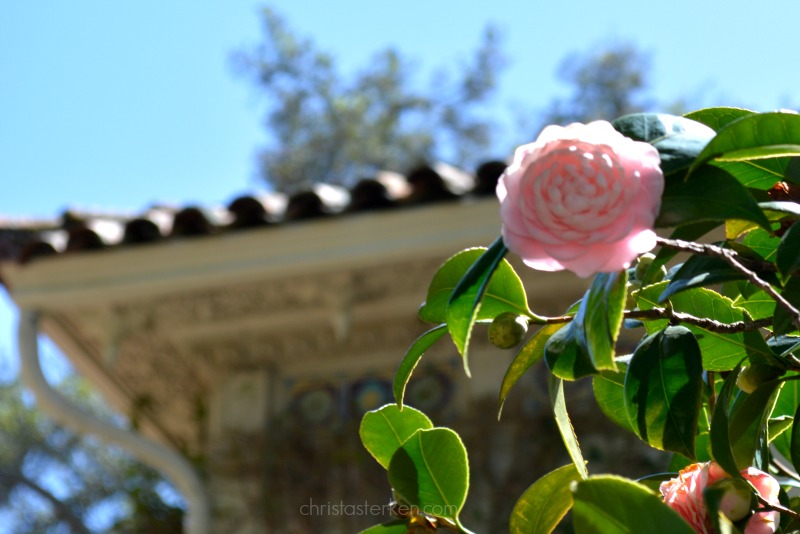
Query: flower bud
[736, 502]
[507, 330]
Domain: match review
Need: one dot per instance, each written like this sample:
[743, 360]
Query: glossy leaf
[384, 430]
[748, 425]
[759, 174]
[531, 352]
[663, 389]
[786, 405]
[721, 448]
[784, 207]
[398, 526]
[718, 117]
[758, 306]
[787, 257]
[782, 320]
[608, 388]
[761, 135]
[721, 352]
[565, 352]
[602, 317]
[558, 402]
[470, 294]
[430, 471]
[545, 503]
[678, 139]
[700, 271]
[505, 291]
[411, 359]
[710, 194]
[609, 504]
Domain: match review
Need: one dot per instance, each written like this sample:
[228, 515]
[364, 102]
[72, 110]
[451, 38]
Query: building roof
[26, 240]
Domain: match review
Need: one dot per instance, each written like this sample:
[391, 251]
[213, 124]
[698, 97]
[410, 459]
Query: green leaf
[411, 359]
[721, 445]
[545, 503]
[505, 291]
[565, 353]
[609, 504]
[782, 320]
[785, 406]
[759, 305]
[776, 426]
[602, 319]
[430, 471]
[788, 255]
[781, 206]
[721, 352]
[710, 194]
[718, 117]
[558, 401]
[384, 430]
[748, 419]
[531, 352]
[699, 271]
[756, 136]
[398, 526]
[608, 387]
[678, 139]
[470, 295]
[760, 174]
[794, 449]
[663, 390]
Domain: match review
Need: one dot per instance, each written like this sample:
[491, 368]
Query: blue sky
[118, 105]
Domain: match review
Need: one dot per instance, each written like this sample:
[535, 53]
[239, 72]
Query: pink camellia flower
[582, 197]
[684, 494]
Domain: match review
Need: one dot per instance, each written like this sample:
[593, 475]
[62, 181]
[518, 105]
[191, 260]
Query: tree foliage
[610, 82]
[53, 480]
[326, 127]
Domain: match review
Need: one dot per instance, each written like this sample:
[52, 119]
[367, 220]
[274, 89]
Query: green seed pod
[645, 260]
[507, 330]
[753, 376]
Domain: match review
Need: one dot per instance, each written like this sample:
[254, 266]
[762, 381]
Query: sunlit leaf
[609, 504]
[609, 393]
[718, 117]
[430, 471]
[411, 359]
[545, 503]
[761, 135]
[558, 402]
[384, 430]
[678, 139]
[531, 352]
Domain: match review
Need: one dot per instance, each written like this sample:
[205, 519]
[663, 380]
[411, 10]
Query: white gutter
[176, 468]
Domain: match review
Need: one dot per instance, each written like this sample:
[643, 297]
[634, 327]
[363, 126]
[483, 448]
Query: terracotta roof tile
[74, 232]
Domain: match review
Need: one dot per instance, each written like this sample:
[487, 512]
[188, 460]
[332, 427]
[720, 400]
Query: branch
[732, 259]
[666, 313]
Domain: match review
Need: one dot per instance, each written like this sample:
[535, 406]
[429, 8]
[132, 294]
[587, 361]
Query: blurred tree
[605, 85]
[328, 129]
[54, 481]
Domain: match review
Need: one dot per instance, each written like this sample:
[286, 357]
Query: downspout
[165, 460]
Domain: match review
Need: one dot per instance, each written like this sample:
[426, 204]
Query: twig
[731, 258]
[777, 507]
[665, 313]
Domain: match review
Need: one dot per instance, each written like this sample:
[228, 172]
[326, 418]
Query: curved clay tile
[487, 175]
[257, 210]
[321, 200]
[387, 189]
[439, 181]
